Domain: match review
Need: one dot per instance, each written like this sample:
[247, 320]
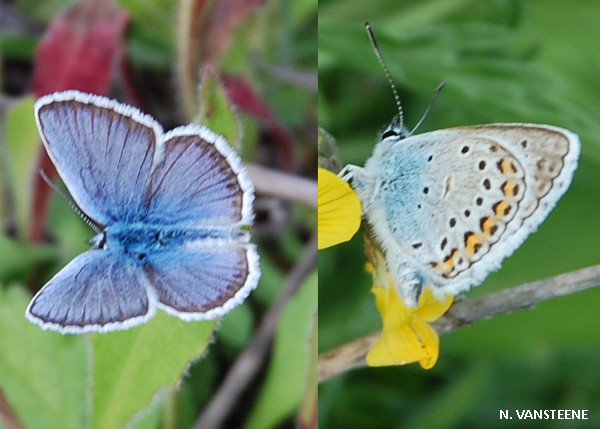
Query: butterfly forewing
[198, 165]
[102, 150]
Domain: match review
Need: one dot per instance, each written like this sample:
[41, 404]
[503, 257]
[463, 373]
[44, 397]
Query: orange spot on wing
[502, 208]
[449, 261]
[488, 226]
[510, 188]
[472, 243]
[506, 166]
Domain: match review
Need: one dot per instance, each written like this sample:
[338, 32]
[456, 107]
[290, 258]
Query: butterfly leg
[349, 172]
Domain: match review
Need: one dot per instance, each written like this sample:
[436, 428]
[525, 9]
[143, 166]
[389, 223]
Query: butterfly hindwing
[200, 283]
[98, 291]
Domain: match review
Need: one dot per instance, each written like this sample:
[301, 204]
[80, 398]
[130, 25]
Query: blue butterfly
[173, 209]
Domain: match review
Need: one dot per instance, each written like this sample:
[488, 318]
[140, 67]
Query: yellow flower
[339, 210]
[406, 336]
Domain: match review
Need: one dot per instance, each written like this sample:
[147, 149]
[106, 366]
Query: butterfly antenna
[435, 96]
[71, 203]
[386, 71]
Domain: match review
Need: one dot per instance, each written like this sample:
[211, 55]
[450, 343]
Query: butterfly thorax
[141, 239]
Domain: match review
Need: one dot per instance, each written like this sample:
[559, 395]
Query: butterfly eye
[389, 133]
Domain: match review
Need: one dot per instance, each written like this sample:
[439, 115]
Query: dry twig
[462, 313]
[282, 185]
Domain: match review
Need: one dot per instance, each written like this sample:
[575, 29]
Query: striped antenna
[386, 71]
[71, 203]
[391, 82]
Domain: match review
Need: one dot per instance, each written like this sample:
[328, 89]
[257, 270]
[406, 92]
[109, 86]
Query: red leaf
[241, 94]
[81, 49]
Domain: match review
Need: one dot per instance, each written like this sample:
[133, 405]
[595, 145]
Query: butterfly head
[395, 131]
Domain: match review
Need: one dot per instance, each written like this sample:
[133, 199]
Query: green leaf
[215, 111]
[271, 280]
[41, 11]
[18, 258]
[130, 367]
[151, 32]
[293, 359]
[151, 418]
[23, 143]
[236, 329]
[44, 375]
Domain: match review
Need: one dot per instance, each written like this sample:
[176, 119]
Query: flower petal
[414, 341]
[406, 336]
[429, 341]
[430, 309]
[339, 210]
[392, 309]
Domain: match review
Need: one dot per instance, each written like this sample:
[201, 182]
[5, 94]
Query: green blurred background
[502, 61]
